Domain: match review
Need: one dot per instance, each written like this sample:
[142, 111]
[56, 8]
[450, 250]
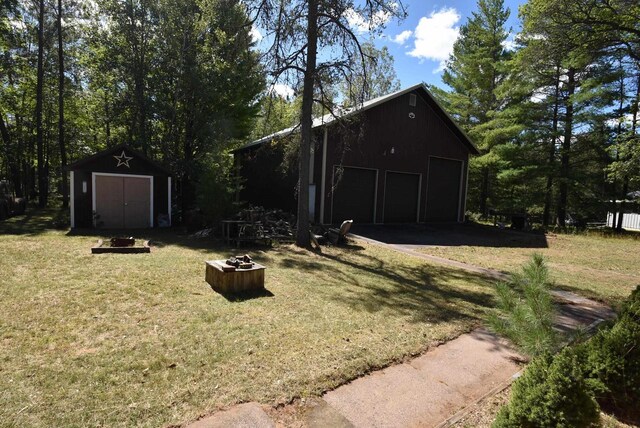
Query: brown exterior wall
[385, 127]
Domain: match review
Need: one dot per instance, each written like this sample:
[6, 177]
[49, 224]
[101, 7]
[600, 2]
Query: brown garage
[404, 160]
[119, 188]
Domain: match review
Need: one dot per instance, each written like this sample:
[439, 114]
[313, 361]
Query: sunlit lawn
[603, 267]
[121, 340]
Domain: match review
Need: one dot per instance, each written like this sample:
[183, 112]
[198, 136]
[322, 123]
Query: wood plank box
[236, 281]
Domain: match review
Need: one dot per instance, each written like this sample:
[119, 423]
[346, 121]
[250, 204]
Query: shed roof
[328, 119]
[79, 164]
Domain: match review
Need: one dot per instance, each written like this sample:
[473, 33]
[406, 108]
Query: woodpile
[260, 223]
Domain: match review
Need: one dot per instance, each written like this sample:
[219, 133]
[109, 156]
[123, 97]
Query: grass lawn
[121, 340]
[595, 266]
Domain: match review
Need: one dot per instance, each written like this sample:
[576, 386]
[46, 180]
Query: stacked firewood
[271, 224]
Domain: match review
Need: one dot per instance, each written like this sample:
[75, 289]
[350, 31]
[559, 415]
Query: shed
[399, 158]
[119, 188]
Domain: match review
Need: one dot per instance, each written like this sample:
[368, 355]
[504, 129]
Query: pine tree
[474, 72]
[558, 91]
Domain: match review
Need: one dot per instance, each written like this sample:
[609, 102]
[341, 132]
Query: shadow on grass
[422, 292]
[419, 291]
[305, 265]
[246, 295]
[35, 221]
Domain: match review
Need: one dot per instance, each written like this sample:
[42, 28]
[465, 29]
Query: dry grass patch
[604, 268]
[121, 340]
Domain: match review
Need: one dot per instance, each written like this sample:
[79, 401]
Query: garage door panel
[401, 197]
[109, 193]
[443, 189]
[122, 202]
[354, 195]
[136, 202]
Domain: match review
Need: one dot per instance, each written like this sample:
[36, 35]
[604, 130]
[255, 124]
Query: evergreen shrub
[552, 392]
[613, 362]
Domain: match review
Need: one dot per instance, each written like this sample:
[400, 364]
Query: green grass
[122, 340]
[601, 267]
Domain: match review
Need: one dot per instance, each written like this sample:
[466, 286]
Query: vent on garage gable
[412, 100]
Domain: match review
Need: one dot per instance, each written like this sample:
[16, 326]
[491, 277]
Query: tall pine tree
[474, 72]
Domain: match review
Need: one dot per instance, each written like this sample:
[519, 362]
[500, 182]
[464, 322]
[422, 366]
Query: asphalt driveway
[413, 236]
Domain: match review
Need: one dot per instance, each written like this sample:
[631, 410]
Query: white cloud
[538, 97]
[283, 90]
[435, 36]
[362, 25]
[509, 45]
[626, 121]
[402, 37]
[256, 35]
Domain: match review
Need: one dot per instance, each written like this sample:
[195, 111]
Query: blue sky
[422, 42]
[424, 39]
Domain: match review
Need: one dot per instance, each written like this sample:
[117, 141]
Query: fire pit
[120, 246]
[237, 274]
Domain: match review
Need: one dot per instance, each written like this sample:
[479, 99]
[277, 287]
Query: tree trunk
[484, 192]
[565, 149]
[548, 195]
[42, 178]
[6, 137]
[61, 142]
[107, 116]
[141, 83]
[306, 122]
[188, 194]
[623, 205]
[13, 163]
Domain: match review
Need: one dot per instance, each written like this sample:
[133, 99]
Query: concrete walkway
[431, 390]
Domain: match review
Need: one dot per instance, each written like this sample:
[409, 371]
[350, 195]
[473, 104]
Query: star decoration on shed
[123, 159]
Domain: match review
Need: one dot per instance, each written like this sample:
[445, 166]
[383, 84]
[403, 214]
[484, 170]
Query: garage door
[354, 196]
[122, 202]
[401, 194]
[443, 189]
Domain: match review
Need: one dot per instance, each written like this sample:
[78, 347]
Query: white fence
[630, 221]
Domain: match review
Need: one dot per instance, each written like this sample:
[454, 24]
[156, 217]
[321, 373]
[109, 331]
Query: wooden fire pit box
[235, 281]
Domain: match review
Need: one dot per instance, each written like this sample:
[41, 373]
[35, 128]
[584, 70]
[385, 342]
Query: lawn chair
[338, 236]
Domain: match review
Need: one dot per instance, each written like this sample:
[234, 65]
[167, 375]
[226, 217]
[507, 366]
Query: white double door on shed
[123, 201]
